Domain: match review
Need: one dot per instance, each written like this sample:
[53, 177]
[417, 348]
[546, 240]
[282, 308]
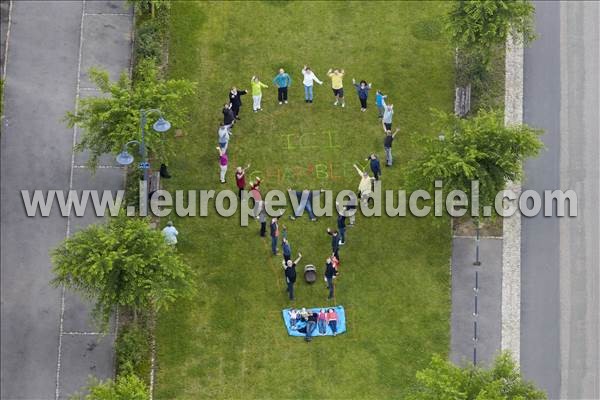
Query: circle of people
[231, 116]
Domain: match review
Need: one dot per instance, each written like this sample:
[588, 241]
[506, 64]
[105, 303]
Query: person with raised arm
[308, 81]
[337, 85]
[290, 275]
[362, 89]
[365, 185]
[236, 101]
[257, 86]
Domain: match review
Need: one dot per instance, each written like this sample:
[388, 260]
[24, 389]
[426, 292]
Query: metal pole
[476, 313]
[474, 355]
[475, 338]
[477, 261]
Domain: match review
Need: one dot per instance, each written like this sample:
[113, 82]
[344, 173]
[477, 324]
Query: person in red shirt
[240, 179]
[332, 320]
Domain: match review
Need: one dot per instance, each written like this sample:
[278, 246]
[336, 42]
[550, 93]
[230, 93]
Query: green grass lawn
[230, 341]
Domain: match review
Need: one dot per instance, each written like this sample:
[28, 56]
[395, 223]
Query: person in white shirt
[170, 234]
[224, 135]
[309, 79]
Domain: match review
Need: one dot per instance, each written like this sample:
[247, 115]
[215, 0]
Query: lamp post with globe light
[161, 126]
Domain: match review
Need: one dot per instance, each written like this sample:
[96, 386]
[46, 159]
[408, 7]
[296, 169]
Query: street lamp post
[161, 126]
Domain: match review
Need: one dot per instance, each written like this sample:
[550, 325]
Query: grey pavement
[560, 256]
[49, 345]
[488, 318]
[4, 24]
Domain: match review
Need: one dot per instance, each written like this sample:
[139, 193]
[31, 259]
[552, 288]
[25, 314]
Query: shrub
[148, 41]
[132, 349]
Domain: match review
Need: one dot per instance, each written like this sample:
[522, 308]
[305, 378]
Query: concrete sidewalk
[489, 313]
[49, 346]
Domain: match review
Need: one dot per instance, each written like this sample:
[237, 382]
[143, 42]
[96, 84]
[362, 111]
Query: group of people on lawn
[306, 322]
[283, 81]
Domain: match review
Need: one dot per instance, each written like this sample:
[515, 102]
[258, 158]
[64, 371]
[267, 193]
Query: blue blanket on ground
[341, 322]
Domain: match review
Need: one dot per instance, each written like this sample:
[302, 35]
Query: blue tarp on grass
[341, 322]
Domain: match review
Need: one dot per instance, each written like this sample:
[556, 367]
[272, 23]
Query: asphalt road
[560, 256]
[49, 346]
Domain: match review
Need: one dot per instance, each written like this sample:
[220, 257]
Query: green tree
[442, 380]
[483, 24]
[111, 120]
[126, 387]
[124, 263]
[480, 148]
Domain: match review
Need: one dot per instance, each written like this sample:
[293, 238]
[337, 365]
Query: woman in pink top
[223, 160]
[332, 320]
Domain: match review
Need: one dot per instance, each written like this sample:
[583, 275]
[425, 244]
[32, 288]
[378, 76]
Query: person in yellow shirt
[337, 85]
[365, 185]
[257, 86]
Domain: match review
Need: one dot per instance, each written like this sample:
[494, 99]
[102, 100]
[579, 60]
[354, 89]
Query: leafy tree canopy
[124, 263]
[442, 380]
[480, 148]
[484, 23]
[126, 387]
[113, 119]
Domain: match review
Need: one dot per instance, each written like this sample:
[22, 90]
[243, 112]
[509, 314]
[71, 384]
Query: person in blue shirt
[375, 166]
[286, 249]
[362, 89]
[380, 103]
[282, 81]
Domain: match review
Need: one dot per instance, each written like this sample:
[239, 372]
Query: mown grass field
[230, 341]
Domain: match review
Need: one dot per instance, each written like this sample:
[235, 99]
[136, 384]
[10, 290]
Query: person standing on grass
[380, 102]
[170, 234]
[257, 86]
[223, 161]
[330, 272]
[375, 165]
[228, 116]
[335, 242]
[236, 101]
[262, 217]
[282, 81]
[290, 275]
[308, 81]
[341, 225]
[224, 135]
[332, 318]
[274, 234]
[337, 85]
[388, 114]
[365, 185]
[351, 205]
[286, 249]
[387, 146]
[240, 179]
[362, 89]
